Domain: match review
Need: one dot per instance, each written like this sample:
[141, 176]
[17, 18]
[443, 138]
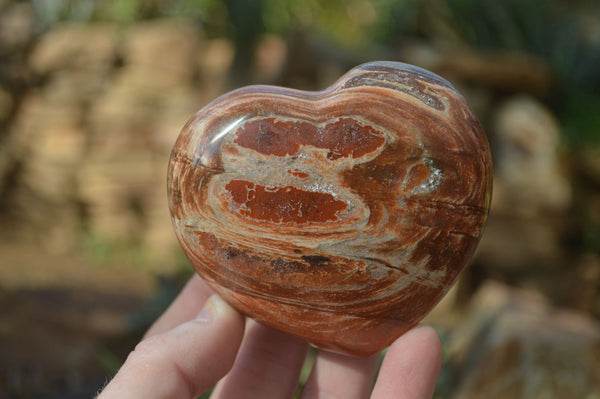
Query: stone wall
[89, 145]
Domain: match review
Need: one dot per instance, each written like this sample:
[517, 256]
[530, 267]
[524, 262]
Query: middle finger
[341, 376]
[267, 365]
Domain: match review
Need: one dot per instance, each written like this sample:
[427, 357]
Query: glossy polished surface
[341, 216]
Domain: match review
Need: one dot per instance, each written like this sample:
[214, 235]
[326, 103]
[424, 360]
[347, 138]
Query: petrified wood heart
[341, 216]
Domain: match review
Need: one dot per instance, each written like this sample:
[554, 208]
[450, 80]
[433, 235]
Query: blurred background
[93, 94]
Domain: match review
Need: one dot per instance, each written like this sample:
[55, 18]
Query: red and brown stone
[342, 216]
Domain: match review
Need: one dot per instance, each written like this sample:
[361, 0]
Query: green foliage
[567, 37]
[349, 23]
[53, 11]
[397, 20]
[580, 117]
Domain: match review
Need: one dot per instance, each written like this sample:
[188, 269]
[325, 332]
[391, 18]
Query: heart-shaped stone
[341, 216]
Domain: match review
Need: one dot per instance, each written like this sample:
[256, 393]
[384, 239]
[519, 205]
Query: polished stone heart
[341, 216]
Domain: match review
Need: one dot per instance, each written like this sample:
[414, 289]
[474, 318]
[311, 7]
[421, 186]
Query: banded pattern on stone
[342, 216]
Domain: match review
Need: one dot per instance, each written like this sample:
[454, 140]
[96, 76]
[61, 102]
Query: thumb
[182, 362]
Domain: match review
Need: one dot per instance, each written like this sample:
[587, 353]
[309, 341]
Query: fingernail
[210, 309]
[213, 307]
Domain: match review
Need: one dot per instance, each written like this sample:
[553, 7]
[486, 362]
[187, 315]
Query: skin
[201, 341]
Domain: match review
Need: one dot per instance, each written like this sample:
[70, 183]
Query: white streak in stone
[434, 180]
[227, 129]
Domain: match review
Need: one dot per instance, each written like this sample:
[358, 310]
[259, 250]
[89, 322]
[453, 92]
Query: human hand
[185, 353]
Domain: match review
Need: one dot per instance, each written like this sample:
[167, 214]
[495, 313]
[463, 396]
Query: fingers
[267, 366]
[184, 307]
[186, 360]
[182, 362]
[411, 366]
[339, 376]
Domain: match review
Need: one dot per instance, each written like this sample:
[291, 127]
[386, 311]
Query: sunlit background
[93, 94]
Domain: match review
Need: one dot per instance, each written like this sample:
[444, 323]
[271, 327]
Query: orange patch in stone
[286, 204]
